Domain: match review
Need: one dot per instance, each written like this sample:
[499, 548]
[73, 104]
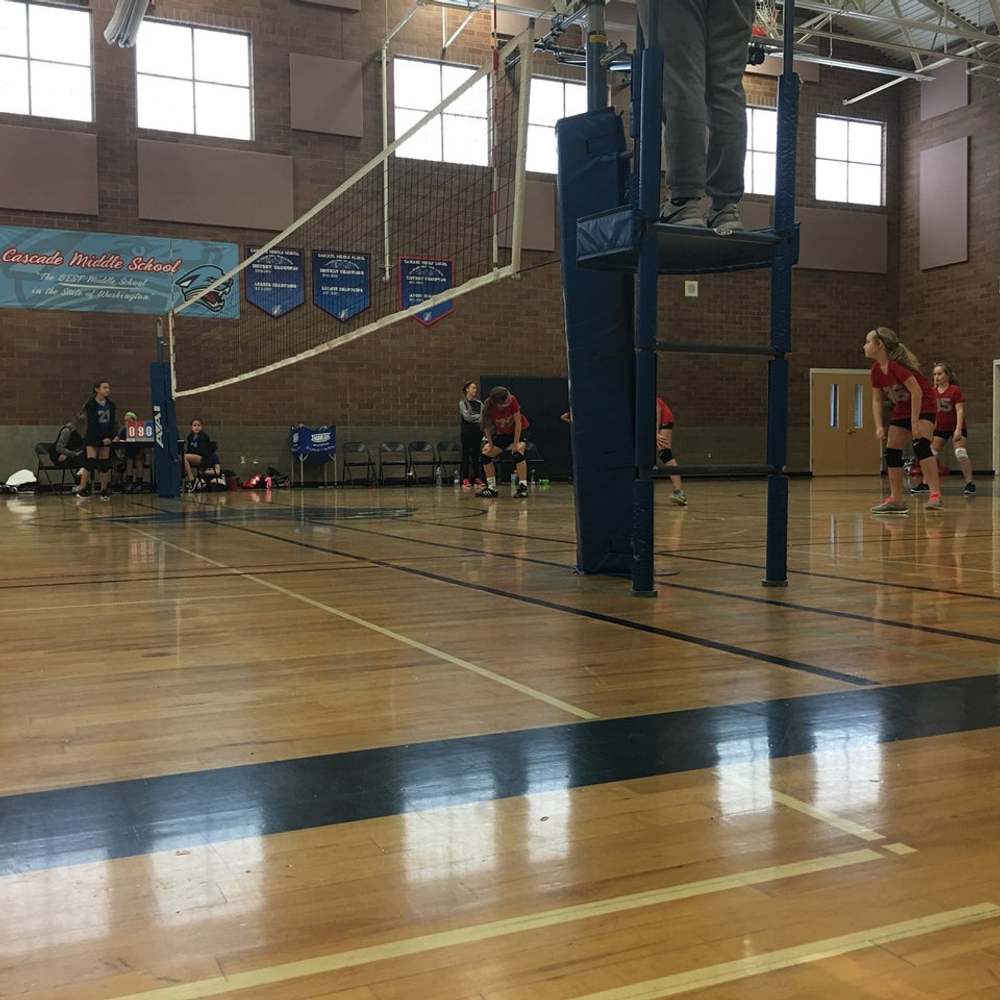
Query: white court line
[120, 604]
[789, 801]
[389, 633]
[815, 951]
[496, 928]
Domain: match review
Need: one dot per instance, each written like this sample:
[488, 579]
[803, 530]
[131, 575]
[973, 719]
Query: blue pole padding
[776, 564]
[642, 538]
[166, 456]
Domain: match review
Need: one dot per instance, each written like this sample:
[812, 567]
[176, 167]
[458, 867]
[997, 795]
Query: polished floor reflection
[370, 746]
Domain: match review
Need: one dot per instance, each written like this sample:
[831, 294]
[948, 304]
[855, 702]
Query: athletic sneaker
[933, 502]
[970, 489]
[466, 484]
[890, 506]
[84, 493]
[487, 491]
[726, 220]
[689, 214]
[679, 497]
[105, 494]
[478, 482]
[920, 488]
[522, 490]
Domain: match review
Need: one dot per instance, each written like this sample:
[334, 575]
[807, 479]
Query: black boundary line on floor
[772, 602]
[97, 823]
[722, 647]
[853, 615]
[834, 576]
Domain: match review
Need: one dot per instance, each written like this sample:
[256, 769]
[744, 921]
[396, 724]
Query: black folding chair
[422, 454]
[355, 454]
[449, 457]
[393, 454]
[44, 465]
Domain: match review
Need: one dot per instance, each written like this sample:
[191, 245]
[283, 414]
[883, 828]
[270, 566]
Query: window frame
[194, 81]
[565, 81]
[28, 59]
[817, 159]
[752, 109]
[487, 117]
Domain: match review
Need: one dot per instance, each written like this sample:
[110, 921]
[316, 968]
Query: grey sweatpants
[705, 45]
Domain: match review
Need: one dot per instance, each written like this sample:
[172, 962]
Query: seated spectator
[201, 459]
[68, 447]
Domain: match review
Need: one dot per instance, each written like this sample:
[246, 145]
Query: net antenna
[352, 264]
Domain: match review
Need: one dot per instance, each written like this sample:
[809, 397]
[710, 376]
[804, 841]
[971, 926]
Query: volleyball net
[435, 215]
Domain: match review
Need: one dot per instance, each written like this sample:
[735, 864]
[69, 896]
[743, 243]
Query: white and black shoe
[920, 488]
[488, 492]
[522, 490]
[970, 489]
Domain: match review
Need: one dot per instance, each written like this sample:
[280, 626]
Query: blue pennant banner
[419, 279]
[276, 282]
[341, 283]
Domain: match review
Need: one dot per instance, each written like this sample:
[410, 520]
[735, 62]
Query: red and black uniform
[664, 415]
[893, 383]
[501, 423]
[947, 415]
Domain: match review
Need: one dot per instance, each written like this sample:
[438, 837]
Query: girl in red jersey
[896, 376]
[951, 421]
[664, 439]
[504, 427]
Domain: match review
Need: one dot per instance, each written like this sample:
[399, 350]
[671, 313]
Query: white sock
[491, 482]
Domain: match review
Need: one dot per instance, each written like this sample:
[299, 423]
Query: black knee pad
[90, 464]
[666, 455]
[894, 458]
[922, 449]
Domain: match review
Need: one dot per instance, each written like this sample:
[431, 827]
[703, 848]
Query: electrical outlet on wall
[690, 289]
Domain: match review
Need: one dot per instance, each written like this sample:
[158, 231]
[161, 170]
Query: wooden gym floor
[384, 745]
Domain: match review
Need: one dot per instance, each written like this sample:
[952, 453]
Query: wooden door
[843, 435]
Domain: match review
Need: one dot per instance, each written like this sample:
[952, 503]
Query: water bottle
[513, 477]
[437, 475]
[534, 482]
[457, 481]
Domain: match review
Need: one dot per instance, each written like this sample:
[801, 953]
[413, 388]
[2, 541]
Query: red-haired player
[664, 440]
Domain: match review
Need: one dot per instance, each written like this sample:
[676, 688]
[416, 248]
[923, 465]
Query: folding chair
[356, 453]
[44, 464]
[393, 453]
[449, 457]
[422, 453]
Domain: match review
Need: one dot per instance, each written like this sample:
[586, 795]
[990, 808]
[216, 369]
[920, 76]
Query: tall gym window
[850, 154]
[194, 80]
[762, 150]
[46, 61]
[550, 101]
[461, 133]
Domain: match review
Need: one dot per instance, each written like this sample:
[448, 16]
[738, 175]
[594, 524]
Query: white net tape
[403, 236]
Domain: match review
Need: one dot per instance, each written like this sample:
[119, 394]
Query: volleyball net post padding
[438, 213]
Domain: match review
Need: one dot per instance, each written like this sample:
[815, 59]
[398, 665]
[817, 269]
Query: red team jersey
[502, 417]
[664, 414]
[892, 383]
[948, 399]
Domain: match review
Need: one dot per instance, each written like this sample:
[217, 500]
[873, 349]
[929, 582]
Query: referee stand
[614, 250]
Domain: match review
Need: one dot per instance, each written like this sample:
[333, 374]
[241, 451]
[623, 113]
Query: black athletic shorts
[930, 417]
[667, 427]
[95, 442]
[504, 441]
[945, 435]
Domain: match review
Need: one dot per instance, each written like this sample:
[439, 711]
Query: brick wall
[952, 313]
[409, 375]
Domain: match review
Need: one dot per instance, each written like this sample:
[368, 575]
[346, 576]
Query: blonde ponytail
[896, 349]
